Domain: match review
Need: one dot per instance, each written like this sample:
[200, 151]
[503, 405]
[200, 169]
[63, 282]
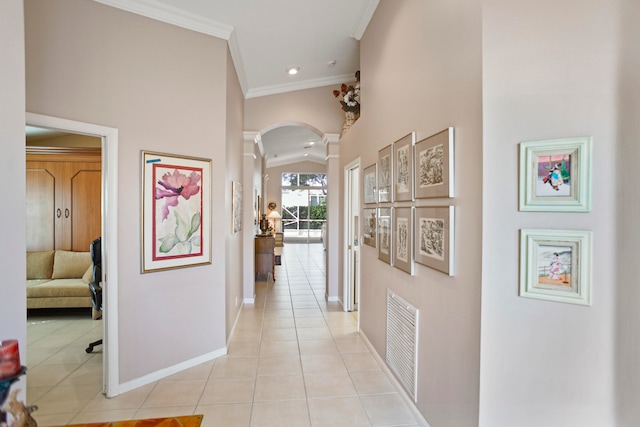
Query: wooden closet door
[85, 206]
[41, 206]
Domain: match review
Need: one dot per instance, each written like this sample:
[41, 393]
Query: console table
[265, 255]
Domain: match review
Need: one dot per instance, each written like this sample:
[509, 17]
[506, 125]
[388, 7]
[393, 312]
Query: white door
[352, 237]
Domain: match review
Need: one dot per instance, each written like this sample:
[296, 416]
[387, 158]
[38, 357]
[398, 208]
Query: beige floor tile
[243, 349]
[279, 348]
[310, 322]
[234, 367]
[387, 410]
[225, 415]
[290, 413]
[51, 420]
[316, 333]
[279, 388]
[280, 334]
[322, 364]
[351, 344]
[337, 412]
[280, 365]
[278, 322]
[247, 335]
[307, 312]
[360, 362]
[305, 304]
[65, 399]
[175, 393]
[278, 313]
[236, 390]
[103, 416]
[49, 375]
[34, 393]
[83, 375]
[198, 372]
[372, 382]
[318, 347]
[329, 385]
[130, 400]
[284, 305]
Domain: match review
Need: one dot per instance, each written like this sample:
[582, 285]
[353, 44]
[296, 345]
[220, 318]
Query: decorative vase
[349, 119]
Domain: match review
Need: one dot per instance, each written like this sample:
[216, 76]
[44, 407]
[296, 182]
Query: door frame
[109, 138]
[351, 171]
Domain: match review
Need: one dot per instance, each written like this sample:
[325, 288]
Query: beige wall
[315, 107]
[234, 172]
[627, 318]
[164, 89]
[549, 71]
[421, 71]
[13, 300]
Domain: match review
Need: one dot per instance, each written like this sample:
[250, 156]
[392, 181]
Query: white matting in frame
[176, 211]
[434, 246]
[385, 234]
[385, 174]
[555, 175]
[403, 168]
[434, 165]
[370, 183]
[403, 235]
[555, 265]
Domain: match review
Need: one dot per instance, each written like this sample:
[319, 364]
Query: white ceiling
[265, 38]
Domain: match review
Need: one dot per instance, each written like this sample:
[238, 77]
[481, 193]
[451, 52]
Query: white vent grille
[402, 341]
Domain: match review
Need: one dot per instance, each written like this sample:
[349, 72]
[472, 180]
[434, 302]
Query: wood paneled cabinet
[64, 199]
[265, 256]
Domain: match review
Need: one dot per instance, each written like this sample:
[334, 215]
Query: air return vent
[402, 341]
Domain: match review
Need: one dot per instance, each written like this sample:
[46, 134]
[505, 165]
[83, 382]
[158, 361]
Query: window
[304, 205]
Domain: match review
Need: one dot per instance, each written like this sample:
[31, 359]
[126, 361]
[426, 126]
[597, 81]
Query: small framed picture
[434, 165]
[435, 237]
[403, 168]
[385, 174]
[555, 265]
[369, 183]
[385, 235]
[369, 228]
[236, 206]
[555, 175]
[403, 235]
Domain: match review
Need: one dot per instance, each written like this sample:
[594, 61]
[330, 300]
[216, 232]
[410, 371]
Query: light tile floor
[293, 360]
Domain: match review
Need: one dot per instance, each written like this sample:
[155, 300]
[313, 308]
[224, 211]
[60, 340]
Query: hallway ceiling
[265, 38]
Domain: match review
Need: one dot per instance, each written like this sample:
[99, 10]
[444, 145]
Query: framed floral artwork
[434, 165]
[176, 211]
[369, 184]
[555, 265]
[403, 168]
[385, 235]
[434, 241]
[369, 227]
[403, 239]
[555, 175]
[385, 174]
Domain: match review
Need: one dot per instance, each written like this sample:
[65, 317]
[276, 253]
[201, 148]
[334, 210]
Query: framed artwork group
[408, 170]
[555, 176]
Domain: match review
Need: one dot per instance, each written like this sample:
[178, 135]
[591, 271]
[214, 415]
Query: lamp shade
[274, 215]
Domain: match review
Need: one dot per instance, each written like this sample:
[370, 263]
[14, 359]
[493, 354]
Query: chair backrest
[96, 258]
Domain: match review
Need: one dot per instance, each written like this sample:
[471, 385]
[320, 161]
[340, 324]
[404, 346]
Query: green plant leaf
[183, 229]
[168, 242]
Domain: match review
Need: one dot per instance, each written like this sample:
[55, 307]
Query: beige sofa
[58, 279]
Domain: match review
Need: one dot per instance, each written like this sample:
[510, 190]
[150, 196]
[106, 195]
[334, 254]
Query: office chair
[95, 286]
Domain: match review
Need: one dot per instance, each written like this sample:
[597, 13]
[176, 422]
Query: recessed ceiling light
[311, 142]
[306, 154]
[293, 70]
[331, 63]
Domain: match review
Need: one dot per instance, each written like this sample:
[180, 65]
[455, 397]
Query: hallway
[293, 360]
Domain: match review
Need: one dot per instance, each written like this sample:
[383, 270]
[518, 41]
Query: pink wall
[421, 71]
[164, 89]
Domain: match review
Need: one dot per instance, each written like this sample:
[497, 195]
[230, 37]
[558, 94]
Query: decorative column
[333, 216]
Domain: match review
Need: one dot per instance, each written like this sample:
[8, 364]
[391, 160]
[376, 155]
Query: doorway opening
[108, 138]
[352, 236]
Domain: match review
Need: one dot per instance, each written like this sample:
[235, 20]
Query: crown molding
[171, 15]
[367, 13]
[290, 87]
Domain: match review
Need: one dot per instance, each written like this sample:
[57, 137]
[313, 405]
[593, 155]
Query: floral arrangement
[349, 96]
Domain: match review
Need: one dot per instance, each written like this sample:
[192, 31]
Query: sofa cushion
[40, 264]
[57, 288]
[70, 265]
[88, 275]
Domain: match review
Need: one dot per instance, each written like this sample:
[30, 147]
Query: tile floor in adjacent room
[293, 360]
